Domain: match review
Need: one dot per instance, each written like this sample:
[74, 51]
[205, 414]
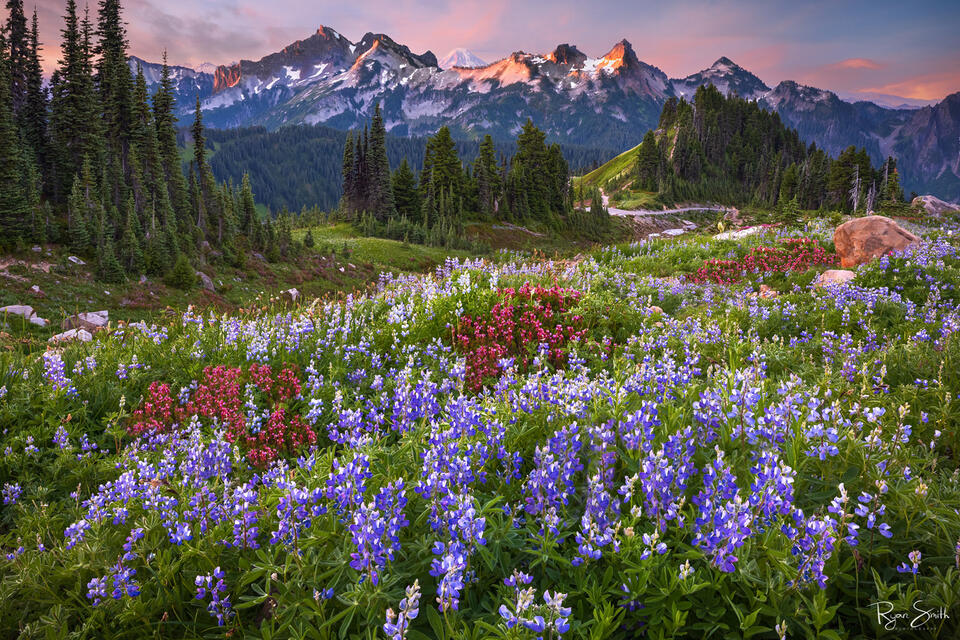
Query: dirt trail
[658, 212]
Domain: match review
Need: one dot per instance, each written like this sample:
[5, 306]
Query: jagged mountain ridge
[609, 101]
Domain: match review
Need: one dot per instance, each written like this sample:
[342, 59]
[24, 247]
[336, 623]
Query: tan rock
[92, 321]
[864, 239]
[934, 205]
[655, 309]
[768, 292]
[835, 276]
[73, 334]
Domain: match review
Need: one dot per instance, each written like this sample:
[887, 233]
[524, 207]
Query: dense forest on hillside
[731, 150]
[91, 161]
[532, 186]
[300, 165]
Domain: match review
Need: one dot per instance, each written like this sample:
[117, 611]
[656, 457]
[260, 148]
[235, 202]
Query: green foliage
[182, 276]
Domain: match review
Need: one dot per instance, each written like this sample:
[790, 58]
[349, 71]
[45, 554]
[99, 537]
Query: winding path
[658, 212]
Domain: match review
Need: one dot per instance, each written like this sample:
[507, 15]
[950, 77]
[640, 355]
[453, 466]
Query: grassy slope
[613, 169]
[341, 261]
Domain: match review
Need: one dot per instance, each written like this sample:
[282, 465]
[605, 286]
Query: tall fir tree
[165, 123]
[405, 195]
[488, 178]
[381, 202]
[33, 117]
[18, 56]
[75, 114]
[14, 206]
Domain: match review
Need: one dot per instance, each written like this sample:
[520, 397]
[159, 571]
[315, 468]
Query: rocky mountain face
[725, 75]
[609, 101]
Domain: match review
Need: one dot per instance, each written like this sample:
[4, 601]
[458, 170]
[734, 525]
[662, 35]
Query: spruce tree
[78, 222]
[648, 163]
[165, 124]
[348, 174]
[75, 115]
[487, 177]
[248, 208]
[381, 201]
[14, 207]
[109, 268]
[130, 253]
[405, 195]
[18, 56]
[33, 117]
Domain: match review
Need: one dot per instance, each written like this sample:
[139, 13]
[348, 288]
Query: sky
[857, 48]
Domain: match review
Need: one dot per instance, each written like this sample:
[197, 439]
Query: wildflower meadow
[631, 444]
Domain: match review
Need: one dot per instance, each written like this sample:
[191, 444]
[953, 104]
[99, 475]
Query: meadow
[676, 438]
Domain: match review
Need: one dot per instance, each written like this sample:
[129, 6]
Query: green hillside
[617, 167]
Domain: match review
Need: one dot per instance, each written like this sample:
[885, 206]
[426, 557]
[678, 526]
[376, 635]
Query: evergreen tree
[488, 178]
[131, 256]
[348, 174]
[165, 124]
[18, 56]
[308, 240]
[14, 207]
[405, 194]
[648, 163]
[380, 199]
[108, 267]
[74, 115]
[248, 208]
[33, 117]
[78, 222]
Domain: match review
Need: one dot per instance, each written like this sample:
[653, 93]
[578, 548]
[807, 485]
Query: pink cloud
[932, 86]
[858, 63]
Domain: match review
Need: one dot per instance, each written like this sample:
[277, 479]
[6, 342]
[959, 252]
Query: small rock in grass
[76, 260]
[655, 309]
[73, 334]
[92, 321]
[22, 310]
[767, 292]
[835, 276]
[38, 321]
[206, 280]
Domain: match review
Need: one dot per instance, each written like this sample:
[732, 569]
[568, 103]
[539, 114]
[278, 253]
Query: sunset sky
[857, 48]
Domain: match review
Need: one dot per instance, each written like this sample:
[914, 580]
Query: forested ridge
[531, 186]
[300, 165]
[730, 150]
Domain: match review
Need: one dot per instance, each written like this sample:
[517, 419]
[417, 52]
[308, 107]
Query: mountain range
[608, 101]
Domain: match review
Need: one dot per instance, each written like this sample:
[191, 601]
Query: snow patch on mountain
[461, 57]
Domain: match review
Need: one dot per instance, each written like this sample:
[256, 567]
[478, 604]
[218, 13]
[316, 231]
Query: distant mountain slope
[609, 101]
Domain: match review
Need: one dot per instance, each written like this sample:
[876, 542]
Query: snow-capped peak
[461, 57]
[205, 67]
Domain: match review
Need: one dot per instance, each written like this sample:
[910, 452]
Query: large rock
[22, 310]
[864, 239]
[73, 334]
[835, 276]
[290, 296]
[92, 321]
[934, 205]
[206, 280]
